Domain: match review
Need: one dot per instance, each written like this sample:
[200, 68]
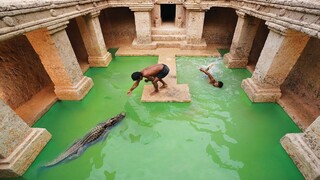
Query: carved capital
[94, 14]
[57, 27]
[241, 14]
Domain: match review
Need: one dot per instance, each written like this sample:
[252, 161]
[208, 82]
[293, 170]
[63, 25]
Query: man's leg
[164, 85]
[155, 85]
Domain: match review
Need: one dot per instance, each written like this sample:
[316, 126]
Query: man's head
[136, 76]
[218, 84]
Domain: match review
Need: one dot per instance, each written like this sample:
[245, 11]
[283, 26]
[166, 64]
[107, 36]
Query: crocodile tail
[72, 150]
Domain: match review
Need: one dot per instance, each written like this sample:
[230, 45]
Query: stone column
[58, 58]
[19, 144]
[243, 37]
[180, 16]
[92, 36]
[142, 18]
[156, 16]
[194, 27]
[279, 54]
[304, 150]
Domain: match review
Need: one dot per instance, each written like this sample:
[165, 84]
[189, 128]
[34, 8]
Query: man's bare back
[153, 73]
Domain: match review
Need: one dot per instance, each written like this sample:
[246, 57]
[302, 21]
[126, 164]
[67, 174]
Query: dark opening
[168, 12]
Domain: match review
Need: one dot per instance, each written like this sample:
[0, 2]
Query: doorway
[168, 12]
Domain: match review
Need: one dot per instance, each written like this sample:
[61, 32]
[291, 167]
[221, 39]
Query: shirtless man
[212, 81]
[152, 73]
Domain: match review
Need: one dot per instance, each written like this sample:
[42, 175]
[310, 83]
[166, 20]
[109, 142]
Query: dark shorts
[164, 72]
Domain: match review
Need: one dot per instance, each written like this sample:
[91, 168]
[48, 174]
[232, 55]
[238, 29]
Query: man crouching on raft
[153, 73]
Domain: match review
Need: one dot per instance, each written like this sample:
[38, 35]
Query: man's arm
[135, 84]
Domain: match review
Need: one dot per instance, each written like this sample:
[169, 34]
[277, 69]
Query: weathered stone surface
[19, 144]
[22, 74]
[91, 33]
[303, 148]
[61, 63]
[243, 37]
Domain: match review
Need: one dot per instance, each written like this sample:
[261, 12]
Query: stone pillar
[180, 16]
[143, 25]
[92, 36]
[58, 58]
[304, 150]
[279, 54]
[243, 37]
[156, 15]
[194, 27]
[19, 144]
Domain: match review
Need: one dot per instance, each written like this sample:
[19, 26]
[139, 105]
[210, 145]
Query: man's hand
[129, 92]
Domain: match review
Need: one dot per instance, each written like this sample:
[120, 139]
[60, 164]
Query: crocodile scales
[89, 138]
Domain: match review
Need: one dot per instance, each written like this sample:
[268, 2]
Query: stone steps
[168, 44]
[168, 31]
[170, 37]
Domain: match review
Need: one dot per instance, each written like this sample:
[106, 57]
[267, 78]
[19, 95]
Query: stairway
[169, 36]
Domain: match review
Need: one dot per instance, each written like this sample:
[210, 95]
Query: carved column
[58, 58]
[304, 150]
[19, 144]
[243, 37]
[142, 18]
[279, 54]
[92, 36]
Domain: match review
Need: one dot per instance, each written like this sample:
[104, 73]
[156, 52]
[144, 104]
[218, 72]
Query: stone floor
[174, 92]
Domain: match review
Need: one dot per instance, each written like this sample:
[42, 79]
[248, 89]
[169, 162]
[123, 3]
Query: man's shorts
[164, 72]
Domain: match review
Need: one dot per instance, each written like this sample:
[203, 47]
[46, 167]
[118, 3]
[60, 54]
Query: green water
[219, 135]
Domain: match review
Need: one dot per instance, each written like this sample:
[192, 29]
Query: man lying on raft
[153, 73]
[212, 81]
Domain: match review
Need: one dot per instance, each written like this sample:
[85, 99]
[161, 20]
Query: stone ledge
[173, 93]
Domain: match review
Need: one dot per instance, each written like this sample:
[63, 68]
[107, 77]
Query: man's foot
[164, 86]
[201, 69]
[153, 93]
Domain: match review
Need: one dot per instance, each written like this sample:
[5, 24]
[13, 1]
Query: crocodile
[88, 139]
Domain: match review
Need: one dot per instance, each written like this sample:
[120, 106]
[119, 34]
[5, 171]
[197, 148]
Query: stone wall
[22, 74]
[303, 79]
[118, 26]
[219, 25]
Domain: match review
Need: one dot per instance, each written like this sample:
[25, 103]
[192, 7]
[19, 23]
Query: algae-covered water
[221, 134]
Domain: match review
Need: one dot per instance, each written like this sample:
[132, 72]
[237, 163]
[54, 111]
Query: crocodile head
[115, 119]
